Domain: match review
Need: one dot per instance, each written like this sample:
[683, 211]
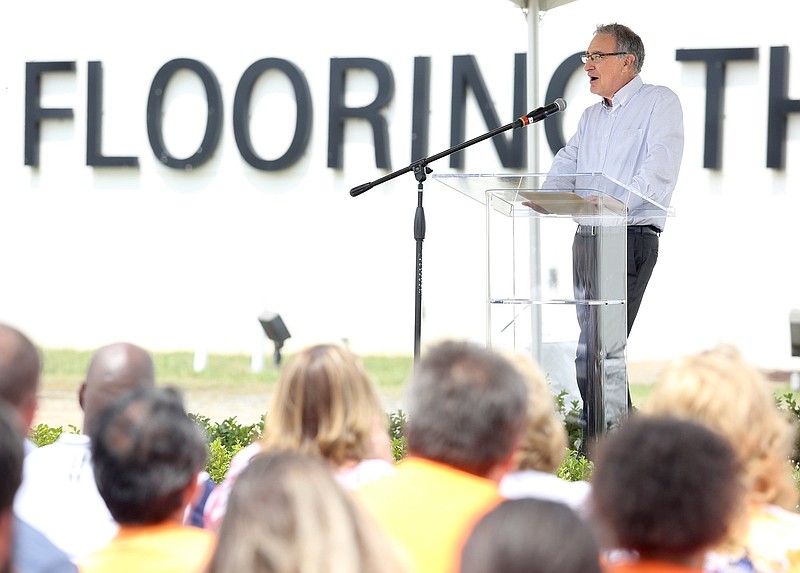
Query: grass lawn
[228, 387]
[64, 369]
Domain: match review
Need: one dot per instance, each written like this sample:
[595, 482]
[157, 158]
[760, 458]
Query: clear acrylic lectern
[534, 302]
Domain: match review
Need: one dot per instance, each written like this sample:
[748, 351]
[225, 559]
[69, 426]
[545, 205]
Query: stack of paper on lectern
[568, 203]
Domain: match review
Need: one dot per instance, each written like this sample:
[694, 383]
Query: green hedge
[226, 438]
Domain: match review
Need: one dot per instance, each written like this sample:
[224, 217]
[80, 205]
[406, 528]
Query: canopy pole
[534, 259]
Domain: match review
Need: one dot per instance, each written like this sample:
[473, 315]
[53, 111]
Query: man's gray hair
[628, 41]
[467, 406]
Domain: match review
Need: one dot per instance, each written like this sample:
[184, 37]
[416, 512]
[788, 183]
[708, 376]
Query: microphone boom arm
[421, 171]
[420, 166]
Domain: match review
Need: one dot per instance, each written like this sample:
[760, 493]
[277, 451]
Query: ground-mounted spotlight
[276, 331]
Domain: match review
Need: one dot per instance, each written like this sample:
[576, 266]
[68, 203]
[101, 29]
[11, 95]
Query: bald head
[114, 370]
[20, 369]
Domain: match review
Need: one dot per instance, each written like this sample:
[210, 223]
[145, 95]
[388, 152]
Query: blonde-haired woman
[543, 447]
[325, 404]
[720, 389]
[287, 514]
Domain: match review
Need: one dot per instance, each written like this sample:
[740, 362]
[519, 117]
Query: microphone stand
[421, 172]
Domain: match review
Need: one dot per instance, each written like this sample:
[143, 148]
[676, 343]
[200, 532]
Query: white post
[200, 359]
[257, 360]
[533, 166]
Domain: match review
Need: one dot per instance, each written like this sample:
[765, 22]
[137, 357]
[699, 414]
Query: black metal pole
[419, 237]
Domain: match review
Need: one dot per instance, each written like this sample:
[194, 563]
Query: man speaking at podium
[634, 135]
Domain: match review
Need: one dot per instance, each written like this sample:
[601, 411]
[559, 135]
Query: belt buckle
[587, 230]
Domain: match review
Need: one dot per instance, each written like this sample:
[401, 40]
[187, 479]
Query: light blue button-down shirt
[638, 141]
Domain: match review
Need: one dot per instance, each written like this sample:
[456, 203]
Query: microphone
[542, 112]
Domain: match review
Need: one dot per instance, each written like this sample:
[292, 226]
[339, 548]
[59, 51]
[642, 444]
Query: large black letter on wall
[715, 60]
[155, 107]
[34, 113]
[338, 112]
[554, 125]
[421, 106]
[779, 107]
[94, 124]
[241, 114]
[467, 75]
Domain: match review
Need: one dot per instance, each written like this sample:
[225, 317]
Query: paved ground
[60, 407]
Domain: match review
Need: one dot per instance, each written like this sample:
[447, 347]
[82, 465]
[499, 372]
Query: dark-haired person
[521, 532]
[667, 491]
[147, 454]
[634, 135]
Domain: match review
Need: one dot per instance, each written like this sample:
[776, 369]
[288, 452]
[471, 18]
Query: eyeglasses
[597, 56]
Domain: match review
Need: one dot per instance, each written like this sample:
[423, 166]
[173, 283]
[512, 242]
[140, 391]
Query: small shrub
[225, 439]
[219, 458]
[230, 431]
[397, 423]
[788, 403]
[576, 467]
[44, 435]
[570, 415]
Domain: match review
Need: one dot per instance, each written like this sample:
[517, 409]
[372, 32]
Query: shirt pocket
[629, 152]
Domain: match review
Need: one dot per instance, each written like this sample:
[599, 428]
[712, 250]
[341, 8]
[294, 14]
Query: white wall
[188, 260]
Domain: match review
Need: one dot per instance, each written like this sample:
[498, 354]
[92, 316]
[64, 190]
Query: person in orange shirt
[664, 492]
[147, 454]
[466, 410]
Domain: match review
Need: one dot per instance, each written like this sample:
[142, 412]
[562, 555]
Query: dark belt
[644, 229]
[591, 230]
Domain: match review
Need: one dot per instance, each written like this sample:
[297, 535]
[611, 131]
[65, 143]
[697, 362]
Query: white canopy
[544, 5]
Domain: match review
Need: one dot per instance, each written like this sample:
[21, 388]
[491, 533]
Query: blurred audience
[58, 495]
[147, 454]
[288, 514]
[543, 447]
[466, 412]
[523, 535]
[698, 480]
[325, 404]
[667, 490]
[720, 389]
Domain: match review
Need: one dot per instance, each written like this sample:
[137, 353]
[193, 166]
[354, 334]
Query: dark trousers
[642, 255]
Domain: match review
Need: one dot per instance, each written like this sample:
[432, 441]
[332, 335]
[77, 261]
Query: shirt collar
[625, 93]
